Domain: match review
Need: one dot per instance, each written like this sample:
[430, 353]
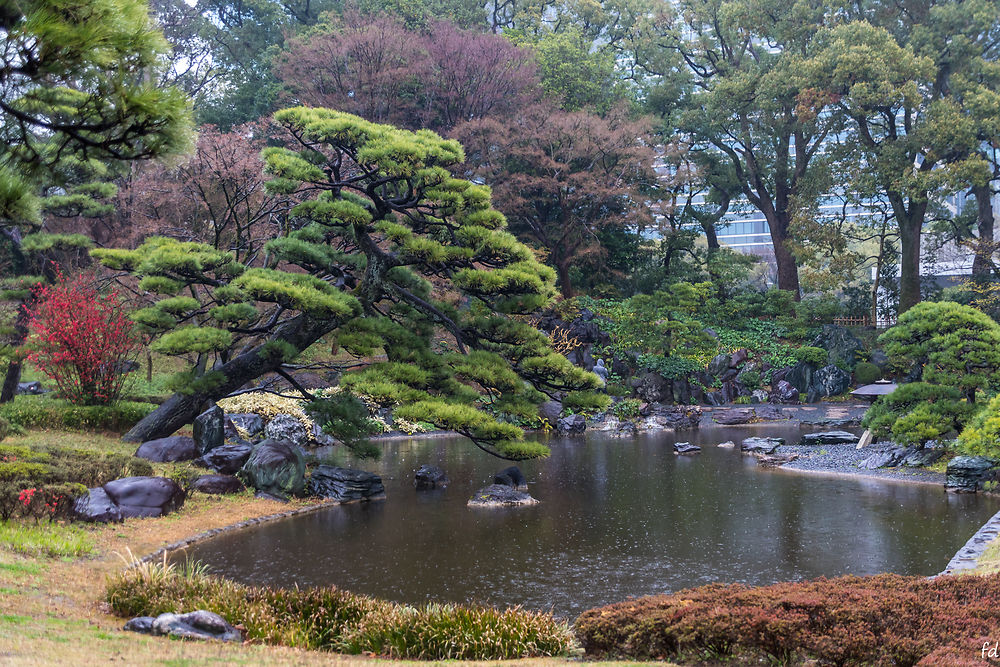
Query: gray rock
[550, 411]
[252, 424]
[686, 448]
[967, 474]
[880, 359]
[498, 495]
[774, 460]
[718, 365]
[653, 388]
[512, 477]
[728, 444]
[887, 458]
[30, 388]
[842, 346]
[572, 424]
[625, 430]
[760, 396]
[210, 429]
[345, 484]
[169, 449]
[761, 445]
[143, 624]
[227, 459]
[97, 507]
[677, 417]
[785, 393]
[734, 416]
[145, 496]
[738, 357]
[800, 376]
[830, 381]
[288, 428]
[217, 485]
[919, 458]
[829, 438]
[714, 398]
[430, 477]
[199, 624]
[275, 467]
[321, 438]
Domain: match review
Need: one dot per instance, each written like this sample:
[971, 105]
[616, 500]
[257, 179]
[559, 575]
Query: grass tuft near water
[336, 620]
[48, 539]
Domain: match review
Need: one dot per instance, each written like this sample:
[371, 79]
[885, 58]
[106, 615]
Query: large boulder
[830, 381]
[829, 438]
[499, 495]
[885, 458]
[250, 423]
[169, 449]
[512, 477]
[145, 496]
[198, 624]
[430, 477]
[217, 485]
[785, 393]
[227, 459]
[276, 468]
[677, 417]
[718, 365]
[843, 347]
[761, 445]
[286, 427]
[654, 388]
[968, 474]
[345, 485]
[210, 429]
[734, 416]
[686, 448]
[97, 507]
[572, 424]
[800, 376]
[550, 411]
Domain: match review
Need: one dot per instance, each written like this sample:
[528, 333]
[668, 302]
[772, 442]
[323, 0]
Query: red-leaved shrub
[882, 620]
[83, 340]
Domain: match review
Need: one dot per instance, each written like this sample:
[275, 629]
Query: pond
[617, 518]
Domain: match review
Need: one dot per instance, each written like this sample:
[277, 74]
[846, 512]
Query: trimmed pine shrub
[866, 373]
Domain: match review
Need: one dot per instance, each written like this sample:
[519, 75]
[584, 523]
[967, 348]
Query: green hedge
[47, 412]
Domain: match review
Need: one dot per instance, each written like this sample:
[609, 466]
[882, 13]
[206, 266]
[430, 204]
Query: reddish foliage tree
[83, 340]
[217, 197]
[560, 177]
[378, 69]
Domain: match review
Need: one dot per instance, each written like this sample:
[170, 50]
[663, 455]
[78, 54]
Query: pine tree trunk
[181, 409]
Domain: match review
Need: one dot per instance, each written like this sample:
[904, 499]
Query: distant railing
[879, 323]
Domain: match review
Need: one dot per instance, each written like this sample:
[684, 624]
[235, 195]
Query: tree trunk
[181, 409]
[13, 376]
[788, 269]
[909, 262]
[982, 267]
[565, 286]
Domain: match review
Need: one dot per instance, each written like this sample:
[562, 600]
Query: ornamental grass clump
[82, 340]
[335, 620]
[887, 619]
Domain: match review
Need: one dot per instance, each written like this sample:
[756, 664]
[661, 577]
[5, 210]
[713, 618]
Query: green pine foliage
[918, 412]
[981, 436]
[391, 257]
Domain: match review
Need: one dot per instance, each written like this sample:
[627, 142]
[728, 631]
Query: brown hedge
[882, 620]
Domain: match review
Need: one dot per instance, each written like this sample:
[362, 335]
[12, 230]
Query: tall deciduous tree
[427, 255]
[562, 177]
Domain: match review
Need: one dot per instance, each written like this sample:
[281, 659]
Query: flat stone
[345, 484]
[762, 445]
[218, 485]
[199, 624]
[829, 438]
[774, 460]
[686, 448]
[734, 416]
[498, 495]
[169, 449]
[227, 459]
[889, 458]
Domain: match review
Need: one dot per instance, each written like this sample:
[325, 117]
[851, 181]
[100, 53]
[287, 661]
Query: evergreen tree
[394, 257]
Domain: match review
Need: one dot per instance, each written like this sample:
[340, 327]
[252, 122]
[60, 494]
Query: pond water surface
[617, 518]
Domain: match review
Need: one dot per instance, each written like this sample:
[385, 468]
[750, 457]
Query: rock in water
[829, 438]
[164, 450]
[227, 459]
[275, 467]
[95, 506]
[967, 474]
[734, 416]
[499, 495]
[210, 429]
[288, 428]
[512, 477]
[199, 624]
[550, 411]
[145, 496]
[686, 448]
[430, 477]
[345, 485]
[762, 445]
[729, 444]
[573, 424]
[218, 485]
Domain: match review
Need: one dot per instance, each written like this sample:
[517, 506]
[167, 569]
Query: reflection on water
[617, 518]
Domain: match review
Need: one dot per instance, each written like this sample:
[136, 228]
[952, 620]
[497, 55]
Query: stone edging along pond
[968, 556]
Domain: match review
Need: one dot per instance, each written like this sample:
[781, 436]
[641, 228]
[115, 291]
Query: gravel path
[844, 459]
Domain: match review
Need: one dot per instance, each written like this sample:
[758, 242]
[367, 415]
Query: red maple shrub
[83, 340]
[887, 619]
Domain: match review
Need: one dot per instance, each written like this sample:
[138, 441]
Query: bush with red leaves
[882, 620]
[83, 340]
